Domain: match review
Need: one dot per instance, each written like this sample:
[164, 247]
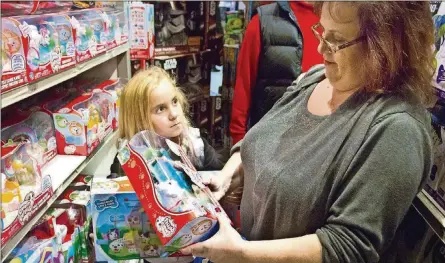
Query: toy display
[48, 44]
[36, 127]
[34, 250]
[114, 88]
[23, 189]
[173, 26]
[116, 28]
[77, 205]
[14, 8]
[181, 209]
[121, 228]
[89, 33]
[83, 123]
[141, 19]
[13, 56]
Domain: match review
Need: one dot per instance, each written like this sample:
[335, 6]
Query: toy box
[89, 33]
[34, 250]
[121, 228]
[13, 57]
[37, 127]
[48, 44]
[14, 8]
[83, 123]
[114, 88]
[23, 189]
[63, 224]
[116, 28]
[82, 181]
[172, 28]
[181, 209]
[142, 30]
[77, 203]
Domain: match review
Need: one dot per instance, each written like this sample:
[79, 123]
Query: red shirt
[247, 67]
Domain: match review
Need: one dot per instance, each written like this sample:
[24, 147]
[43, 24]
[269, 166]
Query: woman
[331, 170]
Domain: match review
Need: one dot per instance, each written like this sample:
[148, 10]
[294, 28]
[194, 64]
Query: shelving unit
[63, 169]
[28, 90]
[425, 206]
[180, 55]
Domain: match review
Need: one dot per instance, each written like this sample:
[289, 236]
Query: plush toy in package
[179, 206]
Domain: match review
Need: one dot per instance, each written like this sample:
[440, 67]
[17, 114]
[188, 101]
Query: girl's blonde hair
[134, 113]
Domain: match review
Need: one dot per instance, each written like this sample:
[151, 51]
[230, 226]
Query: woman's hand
[218, 184]
[226, 246]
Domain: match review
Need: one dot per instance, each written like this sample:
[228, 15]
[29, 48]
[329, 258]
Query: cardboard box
[142, 31]
[180, 208]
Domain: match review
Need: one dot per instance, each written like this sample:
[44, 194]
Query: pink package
[89, 33]
[13, 57]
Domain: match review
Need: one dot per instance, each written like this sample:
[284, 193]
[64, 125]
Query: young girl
[151, 101]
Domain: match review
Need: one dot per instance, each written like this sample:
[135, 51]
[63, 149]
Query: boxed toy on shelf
[84, 122]
[121, 228]
[48, 44]
[181, 209]
[89, 33]
[23, 188]
[35, 126]
[15, 8]
[176, 29]
[114, 88]
[116, 27]
[36, 250]
[142, 31]
[234, 28]
[13, 57]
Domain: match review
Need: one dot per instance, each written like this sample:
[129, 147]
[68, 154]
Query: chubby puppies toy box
[181, 209]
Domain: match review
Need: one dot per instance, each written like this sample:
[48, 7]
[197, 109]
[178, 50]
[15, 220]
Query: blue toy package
[122, 230]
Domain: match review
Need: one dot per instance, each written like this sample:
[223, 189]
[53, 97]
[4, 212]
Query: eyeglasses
[318, 30]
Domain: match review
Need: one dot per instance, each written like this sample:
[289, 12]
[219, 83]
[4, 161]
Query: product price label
[170, 64]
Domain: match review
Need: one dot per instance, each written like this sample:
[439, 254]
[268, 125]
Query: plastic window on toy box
[13, 56]
[89, 34]
[23, 189]
[83, 124]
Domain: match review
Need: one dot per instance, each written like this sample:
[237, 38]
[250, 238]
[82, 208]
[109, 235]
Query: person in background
[278, 45]
[332, 169]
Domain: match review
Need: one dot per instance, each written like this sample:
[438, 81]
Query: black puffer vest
[280, 58]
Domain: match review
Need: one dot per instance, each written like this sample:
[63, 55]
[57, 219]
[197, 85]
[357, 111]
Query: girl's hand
[226, 246]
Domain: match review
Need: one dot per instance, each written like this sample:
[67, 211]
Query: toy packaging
[82, 181]
[83, 123]
[121, 228]
[77, 203]
[173, 26]
[14, 8]
[89, 33]
[13, 56]
[116, 28]
[36, 127]
[142, 30]
[179, 206]
[114, 88]
[35, 250]
[48, 44]
[23, 189]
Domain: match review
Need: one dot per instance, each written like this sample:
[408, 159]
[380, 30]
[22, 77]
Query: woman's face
[341, 24]
[166, 112]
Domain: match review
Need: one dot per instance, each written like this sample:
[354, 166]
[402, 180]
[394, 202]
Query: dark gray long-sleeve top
[349, 177]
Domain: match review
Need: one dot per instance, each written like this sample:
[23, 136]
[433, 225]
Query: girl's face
[166, 112]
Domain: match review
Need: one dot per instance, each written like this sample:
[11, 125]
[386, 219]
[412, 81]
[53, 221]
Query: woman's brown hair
[399, 36]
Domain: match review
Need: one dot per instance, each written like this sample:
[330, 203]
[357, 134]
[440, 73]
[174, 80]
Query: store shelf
[180, 55]
[63, 169]
[28, 90]
[426, 207]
